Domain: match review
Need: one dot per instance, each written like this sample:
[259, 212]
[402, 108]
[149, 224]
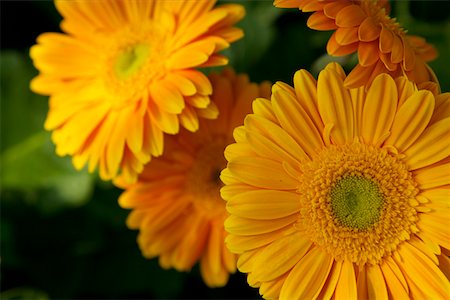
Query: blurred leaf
[28, 161]
[23, 293]
[259, 32]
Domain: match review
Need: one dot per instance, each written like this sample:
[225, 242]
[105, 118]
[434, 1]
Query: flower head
[176, 202]
[124, 73]
[336, 192]
[365, 26]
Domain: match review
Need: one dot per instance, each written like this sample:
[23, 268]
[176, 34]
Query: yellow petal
[422, 272]
[389, 262]
[375, 283]
[293, 247]
[167, 97]
[167, 122]
[271, 289]
[263, 107]
[261, 172]
[395, 287]
[330, 286]
[307, 278]
[346, 285]
[379, 109]
[432, 146]
[188, 119]
[306, 90]
[296, 121]
[243, 226]
[264, 204]
[438, 229]
[335, 106]
[433, 176]
[442, 108]
[239, 243]
[410, 121]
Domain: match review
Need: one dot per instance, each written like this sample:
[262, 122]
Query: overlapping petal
[383, 46]
[310, 129]
[176, 203]
[123, 74]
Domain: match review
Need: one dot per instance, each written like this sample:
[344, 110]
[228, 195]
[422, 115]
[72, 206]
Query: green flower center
[131, 60]
[356, 202]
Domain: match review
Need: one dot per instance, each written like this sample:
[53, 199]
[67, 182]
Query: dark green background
[62, 232]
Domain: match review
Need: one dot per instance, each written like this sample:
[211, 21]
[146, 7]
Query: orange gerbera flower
[176, 201]
[123, 73]
[365, 26]
[337, 193]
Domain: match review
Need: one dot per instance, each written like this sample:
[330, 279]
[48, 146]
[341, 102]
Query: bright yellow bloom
[176, 201]
[365, 26]
[123, 74]
[336, 192]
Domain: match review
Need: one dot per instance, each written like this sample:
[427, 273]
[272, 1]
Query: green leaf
[259, 32]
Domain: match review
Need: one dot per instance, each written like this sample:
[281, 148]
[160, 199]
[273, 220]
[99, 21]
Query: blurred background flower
[63, 234]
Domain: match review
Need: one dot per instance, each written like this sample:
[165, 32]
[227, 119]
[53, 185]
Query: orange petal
[350, 16]
[347, 35]
[409, 55]
[368, 53]
[334, 48]
[359, 76]
[319, 21]
[397, 50]
[333, 8]
[386, 40]
[369, 30]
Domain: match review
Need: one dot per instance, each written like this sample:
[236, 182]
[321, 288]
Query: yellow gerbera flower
[365, 26]
[176, 201]
[336, 192]
[123, 73]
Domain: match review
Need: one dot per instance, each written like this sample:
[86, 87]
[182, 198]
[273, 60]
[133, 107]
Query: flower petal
[307, 278]
[369, 30]
[264, 204]
[335, 106]
[350, 16]
[346, 286]
[293, 247]
[411, 120]
[432, 146]
[379, 109]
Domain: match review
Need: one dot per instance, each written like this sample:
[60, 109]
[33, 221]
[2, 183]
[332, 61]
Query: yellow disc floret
[358, 202]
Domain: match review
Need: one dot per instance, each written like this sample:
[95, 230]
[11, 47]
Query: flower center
[134, 58]
[203, 179]
[131, 60]
[358, 202]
